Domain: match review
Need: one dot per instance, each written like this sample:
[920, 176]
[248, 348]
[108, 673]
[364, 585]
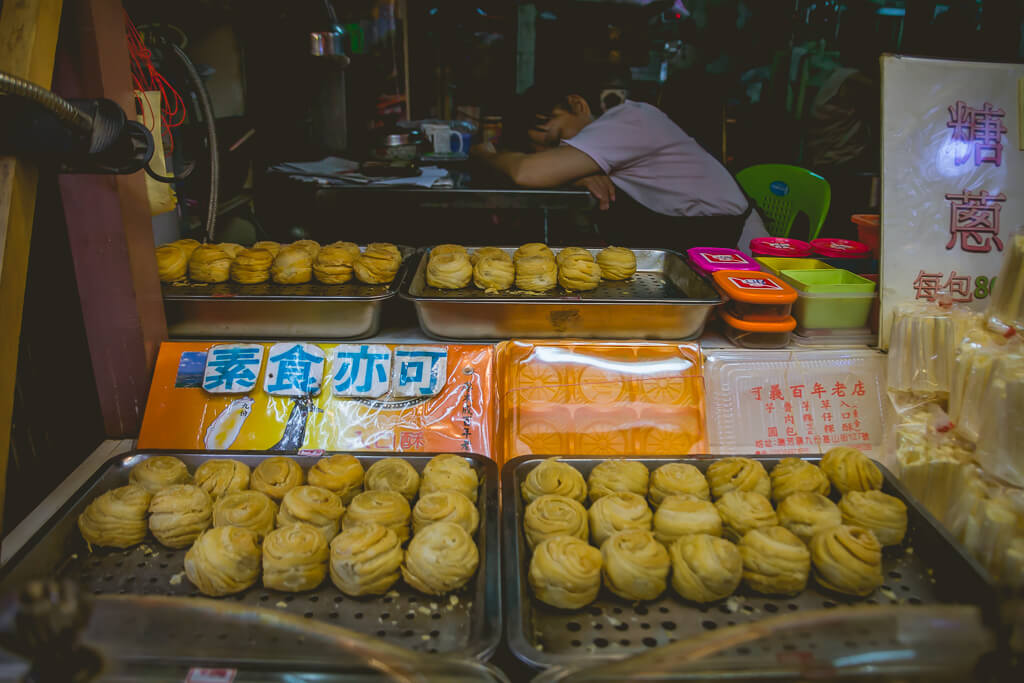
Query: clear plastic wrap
[586, 398]
[921, 349]
[1006, 307]
[999, 412]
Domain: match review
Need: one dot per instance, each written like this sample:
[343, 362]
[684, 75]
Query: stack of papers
[335, 171]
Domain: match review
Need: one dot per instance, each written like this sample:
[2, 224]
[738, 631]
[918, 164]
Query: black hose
[211, 135]
[61, 108]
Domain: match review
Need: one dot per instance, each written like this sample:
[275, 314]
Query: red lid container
[779, 246]
[707, 260]
[836, 248]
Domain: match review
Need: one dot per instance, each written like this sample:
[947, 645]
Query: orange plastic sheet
[608, 398]
[181, 414]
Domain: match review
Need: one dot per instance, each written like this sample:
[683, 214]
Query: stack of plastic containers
[757, 315]
[708, 260]
[845, 254]
[830, 300]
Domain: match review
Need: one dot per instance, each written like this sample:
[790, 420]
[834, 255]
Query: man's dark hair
[551, 90]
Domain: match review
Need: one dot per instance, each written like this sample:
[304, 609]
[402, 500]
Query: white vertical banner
[952, 178]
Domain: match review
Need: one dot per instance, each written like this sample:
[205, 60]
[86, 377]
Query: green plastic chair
[781, 191]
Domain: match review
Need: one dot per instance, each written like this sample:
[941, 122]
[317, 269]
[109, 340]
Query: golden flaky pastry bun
[553, 476]
[449, 472]
[493, 274]
[186, 245]
[553, 515]
[158, 472]
[351, 248]
[792, 475]
[634, 565]
[209, 263]
[311, 247]
[847, 559]
[705, 568]
[117, 518]
[565, 572]
[171, 263]
[577, 275]
[617, 263]
[805, 514]
[333, 265]
[614, 476]
[445, 506]
[232, 249]
[218, 477]
[850, 470]
[292, 266]
[743, 511]
[269, 245]
[378, 264]
[276, 476]
[481, 253]
[386, 508]
[685, 515]
[223, 560]
[617, 512]
[365, 560]
[179, 513]
[677, 478]
[738, 474]
[441, 558]
[883, 515]
[312, 505]
[573, 253]
[442, 249]
[251, 266]
[393, 474]
[246, 509]
[342, 473]
[536, 274]
[294, 558]
[449, 271]
[775, 561]
[533, 250]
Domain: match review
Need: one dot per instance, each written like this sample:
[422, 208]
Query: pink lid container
[779, 246]
[836, 248]
[707, 260]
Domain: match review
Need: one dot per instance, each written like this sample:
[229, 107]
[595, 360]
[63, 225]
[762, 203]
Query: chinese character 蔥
[974, 219]
[294, 369]
[232, 368]
[362, 370]
[959, 288]
[982, 129]
[420, 370]
[927, 285]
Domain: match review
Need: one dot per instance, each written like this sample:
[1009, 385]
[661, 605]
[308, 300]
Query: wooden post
[110, 227]
[28, 39]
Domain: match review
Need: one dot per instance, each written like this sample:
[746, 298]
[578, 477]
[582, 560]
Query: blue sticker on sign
[190, 369]
[779, 188]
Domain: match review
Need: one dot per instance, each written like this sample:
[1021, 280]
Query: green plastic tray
[777, 264]
[834, 281]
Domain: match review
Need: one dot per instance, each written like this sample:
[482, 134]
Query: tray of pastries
[551, 292]
[608, 558]
[397, 546]
[302, 289]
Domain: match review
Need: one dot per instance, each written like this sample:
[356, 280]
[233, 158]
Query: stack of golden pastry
[290, 264]
[705, 533]
[533, 267]
[363, 528]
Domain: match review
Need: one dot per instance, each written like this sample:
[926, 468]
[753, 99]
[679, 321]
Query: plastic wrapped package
[1012, 570]
[999, 409]
[972, 372]
[921, 349]
[1006, 307]
[607, 399]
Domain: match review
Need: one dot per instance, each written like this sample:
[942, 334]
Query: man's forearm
[544, 169]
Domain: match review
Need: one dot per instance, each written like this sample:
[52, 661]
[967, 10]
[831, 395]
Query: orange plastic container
[756, 297]
[758, 334]
[869, 231]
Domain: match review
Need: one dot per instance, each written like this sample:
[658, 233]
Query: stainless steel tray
[467, 622]
[928, 568]
[666, 299]
[314, 310]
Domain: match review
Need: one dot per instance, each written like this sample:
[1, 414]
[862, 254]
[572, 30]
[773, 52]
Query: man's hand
[601, 186]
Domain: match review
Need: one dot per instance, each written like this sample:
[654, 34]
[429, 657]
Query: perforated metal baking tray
[268, 310]
[666, 299]
[466, 622]
[928, 568]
